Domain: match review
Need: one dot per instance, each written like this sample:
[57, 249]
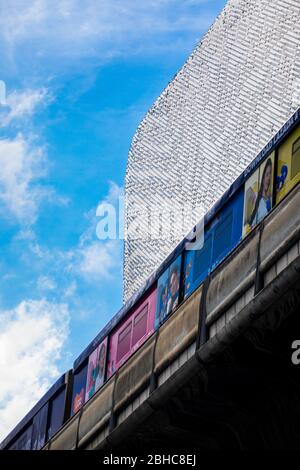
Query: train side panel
[168, 289]
[39, 431]
[42, 422]
[258, 194]
[23, 442]
[132, 332]
[96, 369]
[288, 169]
[79, 385]
[56, 415]
[221, 236]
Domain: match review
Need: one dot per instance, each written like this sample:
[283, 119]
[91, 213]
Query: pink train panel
[132, 332]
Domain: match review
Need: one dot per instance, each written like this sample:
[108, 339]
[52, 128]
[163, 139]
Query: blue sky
[80, 75]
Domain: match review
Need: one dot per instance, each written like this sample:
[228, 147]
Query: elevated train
[259, 189]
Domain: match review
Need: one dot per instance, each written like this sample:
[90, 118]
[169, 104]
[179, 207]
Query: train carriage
[44, 419]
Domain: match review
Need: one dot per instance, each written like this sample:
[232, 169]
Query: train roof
[23, 423]
[275, 141]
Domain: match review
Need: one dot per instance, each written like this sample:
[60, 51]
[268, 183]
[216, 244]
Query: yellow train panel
[288, 171]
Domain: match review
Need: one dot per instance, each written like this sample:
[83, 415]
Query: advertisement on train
[258, 195]
[288, 169]
[168, 292]
[96, 370]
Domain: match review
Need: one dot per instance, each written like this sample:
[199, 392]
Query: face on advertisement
[162, 299]
[266, 179]
[174, 282]
[101, 359]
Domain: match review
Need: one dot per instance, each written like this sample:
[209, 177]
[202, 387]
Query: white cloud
[114, 193]
[99, 260]
[46, 283]
[24, 163]
[25, 234]
[70, 290]
[21, 166]
[23, 160]
[31, 339]
[99, 28]
[20, 104]
[91, 259]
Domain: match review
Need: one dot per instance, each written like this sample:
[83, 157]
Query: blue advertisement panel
[168, 291]
[197, 265]
[221, 236]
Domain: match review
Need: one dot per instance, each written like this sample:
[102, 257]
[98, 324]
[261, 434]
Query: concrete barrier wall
[134, 375]
[232, 278]
[96, 413]
[178, 332]
[281, 230]
[66, 438]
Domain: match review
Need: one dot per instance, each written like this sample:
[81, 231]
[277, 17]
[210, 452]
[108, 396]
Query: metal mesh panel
[236, 90]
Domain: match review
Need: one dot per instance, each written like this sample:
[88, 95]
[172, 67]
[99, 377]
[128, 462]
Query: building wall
[235, 91]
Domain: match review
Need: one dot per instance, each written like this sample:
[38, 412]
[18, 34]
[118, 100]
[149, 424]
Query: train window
[140, 325]
[79, 388]
[202, 259]
[39, 428]
[124, 341]
[24, 441]
[132, 332]
[295, 167]
[57, 406]
[222, 238]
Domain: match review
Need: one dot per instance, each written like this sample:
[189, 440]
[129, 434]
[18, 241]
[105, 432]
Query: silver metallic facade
[237, 88]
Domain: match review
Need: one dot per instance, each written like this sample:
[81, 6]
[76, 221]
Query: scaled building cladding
[236, 90]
